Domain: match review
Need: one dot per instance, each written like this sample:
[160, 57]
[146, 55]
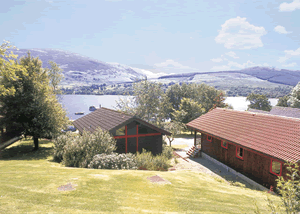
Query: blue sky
[161, 35]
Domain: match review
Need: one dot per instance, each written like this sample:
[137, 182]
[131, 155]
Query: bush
[80, 151]
[113, 161]
[146, 160]
[167, 151]
[59, 144]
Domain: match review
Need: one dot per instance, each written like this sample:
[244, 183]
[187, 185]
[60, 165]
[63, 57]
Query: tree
[258, 101]
[188, 111]
[149, 103]
[294, 98]
[283, 101]
[174, 128]
[27, 98]
[55, 76]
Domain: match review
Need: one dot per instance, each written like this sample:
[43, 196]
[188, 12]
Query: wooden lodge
[254, 144]
[132, 134]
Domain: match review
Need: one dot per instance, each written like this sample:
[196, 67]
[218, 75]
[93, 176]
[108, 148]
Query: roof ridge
[117, 111]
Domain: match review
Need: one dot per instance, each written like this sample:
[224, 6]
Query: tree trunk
[36, 143]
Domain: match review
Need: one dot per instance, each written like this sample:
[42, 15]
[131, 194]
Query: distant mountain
[272, 75]
[80, 70]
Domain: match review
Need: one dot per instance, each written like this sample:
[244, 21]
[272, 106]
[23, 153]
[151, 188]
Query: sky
[161, 35]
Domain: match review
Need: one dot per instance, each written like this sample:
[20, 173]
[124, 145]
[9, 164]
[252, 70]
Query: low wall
[248, 180]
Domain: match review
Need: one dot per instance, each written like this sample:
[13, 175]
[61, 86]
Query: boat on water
[94, 108]
[79, 113]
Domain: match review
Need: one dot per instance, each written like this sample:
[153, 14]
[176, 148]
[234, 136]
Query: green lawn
[29, 182]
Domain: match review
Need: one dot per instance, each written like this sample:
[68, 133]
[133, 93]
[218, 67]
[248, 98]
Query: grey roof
[285, 111]
[258, 111]
[109, 120]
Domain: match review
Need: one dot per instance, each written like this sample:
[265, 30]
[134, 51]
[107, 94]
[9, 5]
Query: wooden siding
[254, 165]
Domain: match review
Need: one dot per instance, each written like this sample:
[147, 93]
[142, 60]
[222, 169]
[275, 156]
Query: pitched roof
[273, 135]
[285, 111]
[108, 119]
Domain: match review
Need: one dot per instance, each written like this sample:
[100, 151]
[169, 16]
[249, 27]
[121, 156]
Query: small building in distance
[132, 134]
[254, 144]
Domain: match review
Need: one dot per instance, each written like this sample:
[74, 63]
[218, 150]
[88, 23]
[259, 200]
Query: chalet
[255, 144]
[132, 134]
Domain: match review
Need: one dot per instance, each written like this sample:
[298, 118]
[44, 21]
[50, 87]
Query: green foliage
[174, 128]
[288, 187]
[113, 161]
[59, 144]
[260, 102]
[27, 100]
[188, 111]
[146, 160]
[79, 152]
[283, 101]
[55, 76]
[294, 98]
[167, 151]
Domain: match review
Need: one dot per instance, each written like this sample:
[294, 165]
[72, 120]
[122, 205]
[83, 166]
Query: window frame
[208, 139]
[238, 151]
[271, 171]
[225, 147]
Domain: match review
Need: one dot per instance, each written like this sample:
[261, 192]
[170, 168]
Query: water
[81, 103]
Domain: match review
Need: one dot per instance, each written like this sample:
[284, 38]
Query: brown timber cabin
[255, 144]
[132, 134]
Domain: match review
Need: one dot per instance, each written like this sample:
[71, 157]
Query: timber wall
[254, 165]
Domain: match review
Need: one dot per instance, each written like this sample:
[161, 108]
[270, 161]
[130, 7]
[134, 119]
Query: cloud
[289, 54]
[286, 7]
[217, 60]
[290, 65]
[237, 66]
[232, 54]
[172, 66]
[237, 33]
[280, 29]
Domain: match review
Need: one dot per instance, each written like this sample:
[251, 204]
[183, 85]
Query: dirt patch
[158, 179]
[67, 187]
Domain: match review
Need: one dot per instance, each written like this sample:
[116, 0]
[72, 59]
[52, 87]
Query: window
[209, 138]
[224, 144]
[276, 167]
[120, 131]
[240, 153]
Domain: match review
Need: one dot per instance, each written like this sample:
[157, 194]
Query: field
[30, 181]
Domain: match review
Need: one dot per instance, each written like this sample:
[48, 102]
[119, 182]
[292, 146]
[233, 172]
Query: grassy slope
[29, 182]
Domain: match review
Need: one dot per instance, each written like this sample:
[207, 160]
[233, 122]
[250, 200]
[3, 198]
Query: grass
[29, 182]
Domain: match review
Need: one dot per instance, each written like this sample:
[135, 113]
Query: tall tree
[55, 76]
[294, 98]
[258, 101]
[27, 99]
[283, 101]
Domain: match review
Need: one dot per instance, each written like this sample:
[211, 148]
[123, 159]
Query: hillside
[31, 182]
[80, 70]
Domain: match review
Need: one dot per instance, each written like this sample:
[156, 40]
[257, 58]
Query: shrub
[146, 160]
[113, 161]
[59, 144]
[79, 152]
[167, 152]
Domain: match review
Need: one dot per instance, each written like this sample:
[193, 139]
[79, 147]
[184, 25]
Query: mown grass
[29, 182]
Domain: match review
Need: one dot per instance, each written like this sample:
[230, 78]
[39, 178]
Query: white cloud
[280, 29]
[237, 33]
[290, 65]
[289, 54]
[217, 60]
[232, 54]
[289, 6]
